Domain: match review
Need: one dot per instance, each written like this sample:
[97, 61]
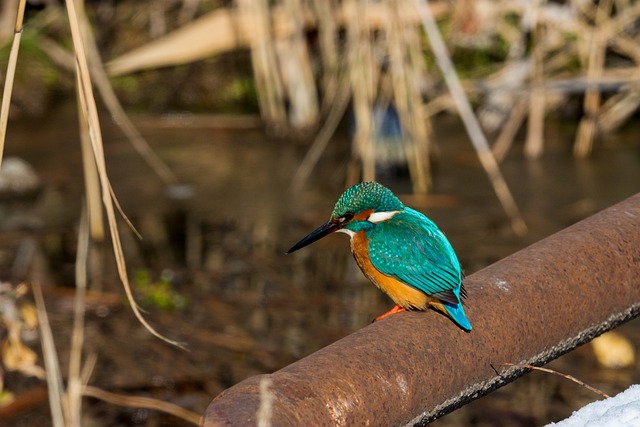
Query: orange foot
[394, 310]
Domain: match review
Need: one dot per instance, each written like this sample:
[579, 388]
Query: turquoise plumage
[399, 249]
[412, 249]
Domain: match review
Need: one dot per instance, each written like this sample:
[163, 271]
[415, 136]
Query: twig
[119, 116]
[469, 119]
[264, 61]
[567, 376]
[510, 129]
[52, 366]
[294, 63]
[324, 135]
[142, 402]
[403, 45]
[74, 390]
[93, 200]
[11, 72]
[364, 75]
[88, 106]
[534, 144]
[597, 50]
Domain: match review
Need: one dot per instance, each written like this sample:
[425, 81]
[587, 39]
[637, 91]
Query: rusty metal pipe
[411, 368]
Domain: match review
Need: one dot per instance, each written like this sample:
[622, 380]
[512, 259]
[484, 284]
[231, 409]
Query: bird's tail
[456, 312]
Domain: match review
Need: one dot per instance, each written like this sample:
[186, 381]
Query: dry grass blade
[294, 63]
[208, 35]
[535, 130]
[510, 129]
[122, 214]
[618, 109]
[567, 376]
[223, 30]
[339, 106]
[87, 369]
[88, 106]
[91, 178]
[264, 61]
[597, 51]
[11, 72]
[101, 80]
[364, 77]
[142, 402]
[74, 387]
[469, 119]
[52, 367]
[406, 58]
[328, 44]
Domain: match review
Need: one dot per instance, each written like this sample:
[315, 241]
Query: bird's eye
[346, 217]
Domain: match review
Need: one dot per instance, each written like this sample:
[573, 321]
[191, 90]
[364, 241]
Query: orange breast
[403, 295]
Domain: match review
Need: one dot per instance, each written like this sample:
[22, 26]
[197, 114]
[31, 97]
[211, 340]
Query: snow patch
[622, 410]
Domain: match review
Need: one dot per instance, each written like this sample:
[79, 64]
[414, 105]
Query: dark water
[246, 308]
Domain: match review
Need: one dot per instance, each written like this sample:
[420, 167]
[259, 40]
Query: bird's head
[359, 208]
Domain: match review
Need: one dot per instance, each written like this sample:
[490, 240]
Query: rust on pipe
[412, 368]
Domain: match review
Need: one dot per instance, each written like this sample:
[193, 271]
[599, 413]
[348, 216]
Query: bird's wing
[418, 254]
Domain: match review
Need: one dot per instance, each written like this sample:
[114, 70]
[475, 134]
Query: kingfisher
[399, 249]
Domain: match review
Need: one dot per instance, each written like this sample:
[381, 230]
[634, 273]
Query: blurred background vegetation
[229, 130]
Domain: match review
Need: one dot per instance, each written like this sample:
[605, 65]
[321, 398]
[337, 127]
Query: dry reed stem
[52, 366]
[264, 61]
[421, 118]
[54, 377]
[57, 54]
[363, 77]
[11, 72]
[377, 14]
[8, 11]
[338, 108]
[627, 46]
[510, 129]
[406, 96]
[393, 91]
[142, 402]
[567, 376]
[91, 178]
[87, 369]
[327, 38]
[195, 40]
[439, 104]
[74, 381]
[295, 67]
[88, 106]
[118, 115]
[587, 128]
[617, 109]
[469, 119]
[534, 144]
[336, 93]
[188, 10]
[611, 26]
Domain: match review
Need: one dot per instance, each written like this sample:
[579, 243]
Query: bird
[399, 249]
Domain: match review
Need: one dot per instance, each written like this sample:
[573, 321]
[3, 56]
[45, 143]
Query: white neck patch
[377, 217]
[346, 231]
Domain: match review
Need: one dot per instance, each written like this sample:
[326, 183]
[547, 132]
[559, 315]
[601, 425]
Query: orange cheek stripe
[364, 215]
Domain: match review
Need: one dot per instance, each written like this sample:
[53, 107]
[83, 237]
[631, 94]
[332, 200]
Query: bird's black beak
[317, 234]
